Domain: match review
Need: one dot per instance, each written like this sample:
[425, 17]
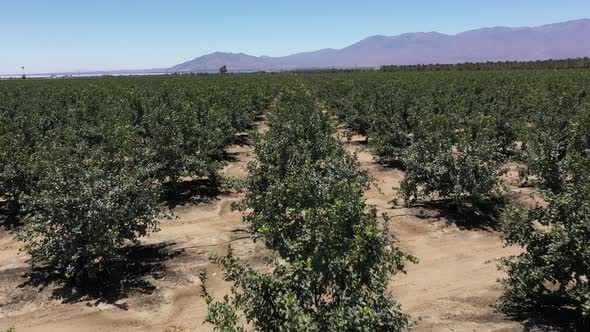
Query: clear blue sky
[60, 35]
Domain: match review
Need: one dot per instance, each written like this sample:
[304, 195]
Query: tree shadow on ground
[347, 137]
[9, 218]
[472, 216]
[549, 314]
[112, 283]
[192, 192]
[242, 139]
[260, 117]
[392, 163]
[363, 142]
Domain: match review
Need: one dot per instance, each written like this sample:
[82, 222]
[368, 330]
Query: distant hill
[553, 41]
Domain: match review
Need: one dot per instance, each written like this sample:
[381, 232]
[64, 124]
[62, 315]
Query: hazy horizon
[68, 36]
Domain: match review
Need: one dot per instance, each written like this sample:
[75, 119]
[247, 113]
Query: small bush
[548, 146]
[455, 160]
[86, 206]
[556, 261]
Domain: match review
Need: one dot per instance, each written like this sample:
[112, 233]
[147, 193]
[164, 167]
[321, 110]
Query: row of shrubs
[454, 133]
[86, 163]
[333, 256]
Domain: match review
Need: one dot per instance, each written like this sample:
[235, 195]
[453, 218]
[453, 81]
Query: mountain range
[553, 41]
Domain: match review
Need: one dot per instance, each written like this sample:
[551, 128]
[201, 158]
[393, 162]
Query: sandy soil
[454, 284]
[451, 289]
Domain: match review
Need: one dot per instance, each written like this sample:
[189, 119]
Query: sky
[75, 35]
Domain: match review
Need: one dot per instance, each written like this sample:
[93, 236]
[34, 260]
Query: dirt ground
[454, 283]
[451, 289]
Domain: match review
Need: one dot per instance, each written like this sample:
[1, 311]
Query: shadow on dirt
[230, 156]
[242, 139]
[112, 283]
[9, 218]
[192, 192]
[392, 164]
[550, 314]
[472, 216]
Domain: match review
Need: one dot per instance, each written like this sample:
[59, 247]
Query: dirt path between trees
[454, 284]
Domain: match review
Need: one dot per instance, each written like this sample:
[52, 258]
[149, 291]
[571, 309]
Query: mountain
[553, 41]
[218, 59]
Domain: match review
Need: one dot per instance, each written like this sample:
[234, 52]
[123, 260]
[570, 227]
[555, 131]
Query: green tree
[304, 200]
[87, 204]
[459, 160]
[555, 265]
